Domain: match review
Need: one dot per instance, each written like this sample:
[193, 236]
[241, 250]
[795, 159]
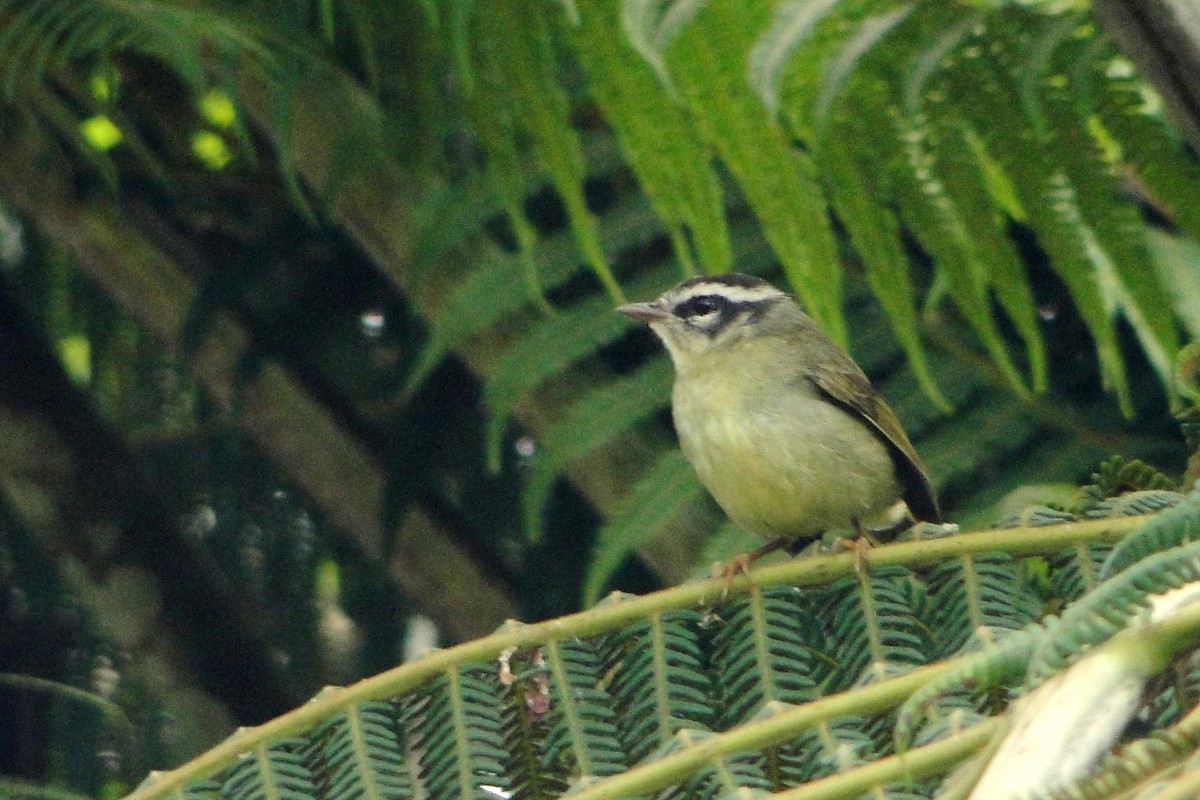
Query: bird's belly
[792, 471]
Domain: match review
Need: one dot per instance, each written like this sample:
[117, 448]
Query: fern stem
[871, 619]
[762, 652]
[1021, 541]
[362, 758]
[466, 781]
[1086, 569]
[662, 672]
[781, 727]
[913, 765]
[567, 707]
[971, 591]
[270, 787]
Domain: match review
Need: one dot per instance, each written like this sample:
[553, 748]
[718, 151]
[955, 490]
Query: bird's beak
[645, 312]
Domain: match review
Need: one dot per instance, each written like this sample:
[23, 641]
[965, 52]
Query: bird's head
[712, 313]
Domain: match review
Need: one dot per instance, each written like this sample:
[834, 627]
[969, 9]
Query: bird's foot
[740, 564]
[860, 545]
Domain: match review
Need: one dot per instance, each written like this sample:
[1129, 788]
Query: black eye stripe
[700, 306]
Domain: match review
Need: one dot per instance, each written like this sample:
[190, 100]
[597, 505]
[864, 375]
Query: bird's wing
[846, 385]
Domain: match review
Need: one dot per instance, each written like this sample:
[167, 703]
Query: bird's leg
[740, 564]
[862, 543]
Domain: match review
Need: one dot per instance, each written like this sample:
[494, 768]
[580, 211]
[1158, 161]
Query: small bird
[783, 428]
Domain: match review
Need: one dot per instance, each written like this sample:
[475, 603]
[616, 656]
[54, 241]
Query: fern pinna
[804, 671]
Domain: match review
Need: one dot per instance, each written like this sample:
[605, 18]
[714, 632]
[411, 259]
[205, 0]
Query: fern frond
[739, 775]
[1077, 571]
[1176, 526]
[828, 748]
[949, 231]
[1135, 504]
[763, 653]
[660, 684]
[1003, 663]
[1145, 764]
[978, 596]
[651, 25]
[673, 166]
[494, 122]
[1125, 272]
[551, 344]
[1128, 111]
[1117, 475]
[359, 755]
[458, 730]
[489, 294]
[875, 235]
[180, 35]
[981, 88]
[514, 46]
[596, 418]
[875, 625]
[792, 24]
[707, 62]
[583, 739]
[274, 771]
[659, 496]
[1109, 609]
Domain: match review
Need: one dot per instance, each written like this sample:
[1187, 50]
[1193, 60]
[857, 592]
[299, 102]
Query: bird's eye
[702, 306]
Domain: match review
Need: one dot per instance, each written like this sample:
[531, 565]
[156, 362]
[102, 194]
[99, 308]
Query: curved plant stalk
[619, 611]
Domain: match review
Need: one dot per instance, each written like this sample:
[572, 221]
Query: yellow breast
[781, 461]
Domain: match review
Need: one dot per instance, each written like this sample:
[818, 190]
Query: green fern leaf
[458, 728]
[876, 627]
[514, 44]
[590, 422]
[1077, 571]
[1174, 527]
[1135, 504]
[1139, 767]
[659, 683]
[975, 596]
[1123, 266]
[707, 61]
[737, 776]
[763, 653]
[659, 496]
[673, 166]
[494, 121]
[651, 25]
[980, 91]
[792, 25]
[844, 65]
[201, 790]
[1117, 475]
[551, 344]
[360, 756]
[1002, 664]
[964, 166]
[1128, 111]
[1178, 263]
[270, 772]
[489, 293]
[949, 232]
[826, 749]
[1109, 609]
[583, 739]
[875, 235]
